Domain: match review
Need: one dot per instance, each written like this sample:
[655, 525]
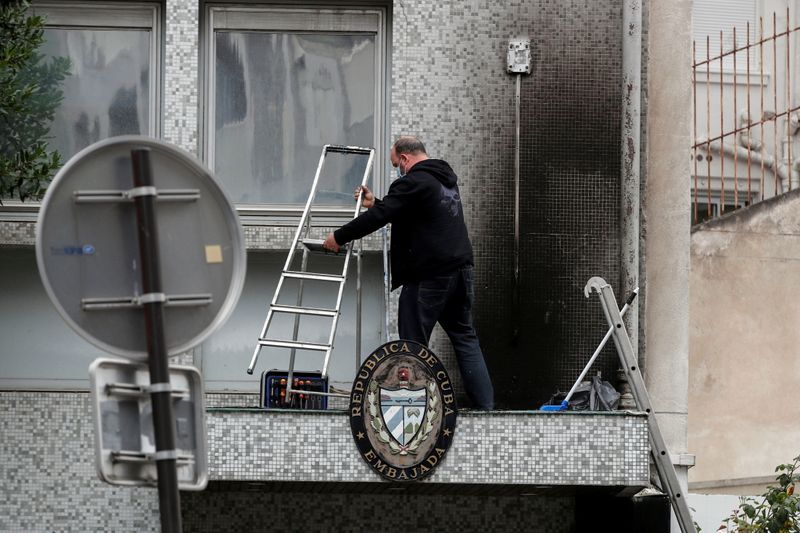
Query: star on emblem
[446, 432]
[360, 435]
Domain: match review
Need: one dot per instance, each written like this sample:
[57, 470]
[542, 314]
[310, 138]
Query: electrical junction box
[519, 56]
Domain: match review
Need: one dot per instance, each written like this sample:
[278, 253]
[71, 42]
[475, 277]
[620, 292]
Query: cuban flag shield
[403, 411]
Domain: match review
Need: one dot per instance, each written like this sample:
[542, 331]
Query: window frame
[727, 64]
[104, 15]
[274, 18]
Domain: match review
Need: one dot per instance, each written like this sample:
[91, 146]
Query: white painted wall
[711, 509]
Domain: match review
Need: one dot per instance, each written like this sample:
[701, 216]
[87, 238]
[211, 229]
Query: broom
[563, 405]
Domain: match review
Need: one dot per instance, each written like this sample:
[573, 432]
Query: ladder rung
[316, 245]
[347, 149]
[309, 275]
[304, 310]
[295, 344]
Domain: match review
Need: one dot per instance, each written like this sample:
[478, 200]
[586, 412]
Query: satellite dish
[88, 255]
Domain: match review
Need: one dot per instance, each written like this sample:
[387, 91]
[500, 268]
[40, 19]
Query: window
[39, 351]
[113, 89]
[280, 84]
[712, 16]
[113, 85]
[707, 211]
[114, 82]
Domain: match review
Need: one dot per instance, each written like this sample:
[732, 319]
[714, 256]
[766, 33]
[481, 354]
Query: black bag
[594, 395]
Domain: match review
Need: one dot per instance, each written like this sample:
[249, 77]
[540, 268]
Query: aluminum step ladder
[627, 357]
[303, 241]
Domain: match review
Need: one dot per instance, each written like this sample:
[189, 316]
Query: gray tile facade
[181, 74]
[50, 483]
[48, 472]
[243, 512]
[494, 448]
[449, 86]
[17, 233]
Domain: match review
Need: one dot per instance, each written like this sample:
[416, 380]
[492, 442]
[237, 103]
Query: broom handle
[622, 312]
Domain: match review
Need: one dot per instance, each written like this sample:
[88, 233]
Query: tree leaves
[775, 511]
[30, 94]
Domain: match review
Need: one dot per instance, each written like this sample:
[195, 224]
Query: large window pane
[107, 91]
[279, 98]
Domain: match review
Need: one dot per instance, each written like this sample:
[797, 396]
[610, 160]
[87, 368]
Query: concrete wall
[743, 346]
[666, 219]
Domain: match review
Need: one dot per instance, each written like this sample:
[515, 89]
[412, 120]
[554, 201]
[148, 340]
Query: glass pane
[281, 97]
[107, 91]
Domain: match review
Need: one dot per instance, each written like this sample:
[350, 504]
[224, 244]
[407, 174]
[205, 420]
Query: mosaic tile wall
[50, 483]
[181, 75]
[23, 233]
[248, 400]
[243, 512]
[280, 238]
[463, 106]
[17, 233]
[450, 87]
[49, 479]
[495, 448]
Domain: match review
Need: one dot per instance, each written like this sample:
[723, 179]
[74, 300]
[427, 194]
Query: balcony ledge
[518, 452]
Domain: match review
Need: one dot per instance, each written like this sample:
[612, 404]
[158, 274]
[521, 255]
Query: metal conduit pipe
[631, 146]
[387, 291]
[517, 104]
[518, 61]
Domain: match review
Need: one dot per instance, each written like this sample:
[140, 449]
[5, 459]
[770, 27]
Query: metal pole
[516, 211]
[359, 250]
[631, 143]
[144, 194]
[386, 288]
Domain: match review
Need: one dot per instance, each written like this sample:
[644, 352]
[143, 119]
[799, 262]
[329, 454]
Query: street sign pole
[153, 298]
[185, 269]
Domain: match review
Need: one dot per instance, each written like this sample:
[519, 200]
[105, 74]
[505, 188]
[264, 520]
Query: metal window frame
[105, 15]
[321, 18]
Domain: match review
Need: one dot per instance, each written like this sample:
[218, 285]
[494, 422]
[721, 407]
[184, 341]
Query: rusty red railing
[744, 120]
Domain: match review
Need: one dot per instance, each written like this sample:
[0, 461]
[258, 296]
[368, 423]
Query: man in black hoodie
[431, 257]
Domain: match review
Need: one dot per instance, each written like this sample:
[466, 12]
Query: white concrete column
[667, 219]
[630, 200]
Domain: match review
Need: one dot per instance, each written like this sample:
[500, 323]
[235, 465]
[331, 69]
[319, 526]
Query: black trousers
[447, 299]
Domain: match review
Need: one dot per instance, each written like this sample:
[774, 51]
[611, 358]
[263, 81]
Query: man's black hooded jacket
[428, 232]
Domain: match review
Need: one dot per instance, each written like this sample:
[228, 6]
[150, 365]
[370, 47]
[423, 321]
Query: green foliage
[775, 511]
[30, 93]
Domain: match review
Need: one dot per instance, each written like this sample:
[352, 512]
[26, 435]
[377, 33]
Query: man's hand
[368, 200]
[331, 244]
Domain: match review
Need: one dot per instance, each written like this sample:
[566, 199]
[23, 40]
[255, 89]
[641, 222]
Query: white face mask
[399, 168]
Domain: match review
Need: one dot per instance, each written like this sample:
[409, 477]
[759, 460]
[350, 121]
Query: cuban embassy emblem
[402, 411]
